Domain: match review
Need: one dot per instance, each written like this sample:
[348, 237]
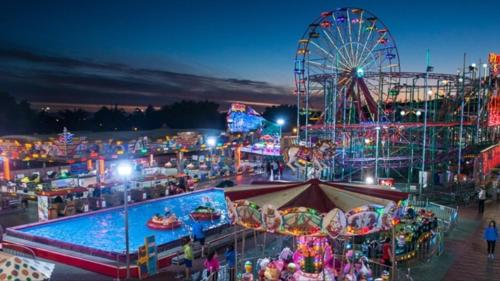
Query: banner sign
[494, 111]
[147, 260]
[142, 262]
[243, 119]
[63, 183]
[494, 60]
[43, 208]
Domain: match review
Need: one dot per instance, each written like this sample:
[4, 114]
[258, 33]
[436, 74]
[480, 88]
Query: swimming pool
[103, 232]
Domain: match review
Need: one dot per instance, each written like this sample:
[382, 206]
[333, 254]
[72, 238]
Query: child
[288, 273]
[248, 275]
[167, 212]
[188, 257]
[212, 266]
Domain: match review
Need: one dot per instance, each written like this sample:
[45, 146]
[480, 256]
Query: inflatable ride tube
[161, 226]
[205, 216]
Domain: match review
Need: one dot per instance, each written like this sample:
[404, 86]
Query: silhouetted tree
[15, 118]
[152, 118]
[19, 118]
[78, 119]
[136, 119]
[106, 119]
[46, 123]
[192, 114]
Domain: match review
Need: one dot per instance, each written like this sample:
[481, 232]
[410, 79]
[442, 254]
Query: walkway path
[465, 250]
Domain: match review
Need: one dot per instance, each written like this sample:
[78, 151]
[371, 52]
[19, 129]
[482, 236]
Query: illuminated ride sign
[243, 119]
[494, 111]
[494, 60]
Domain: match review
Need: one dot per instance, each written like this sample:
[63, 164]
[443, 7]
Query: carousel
[315, 214]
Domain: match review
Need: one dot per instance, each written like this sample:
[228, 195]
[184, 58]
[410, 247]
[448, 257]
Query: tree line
[18, 117]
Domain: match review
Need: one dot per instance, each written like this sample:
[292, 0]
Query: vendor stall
[61, 202]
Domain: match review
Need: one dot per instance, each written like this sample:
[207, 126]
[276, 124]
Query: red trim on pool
[94, 266]
[17, 231]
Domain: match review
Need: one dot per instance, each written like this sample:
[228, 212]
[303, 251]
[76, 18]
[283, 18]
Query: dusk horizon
[217, 58]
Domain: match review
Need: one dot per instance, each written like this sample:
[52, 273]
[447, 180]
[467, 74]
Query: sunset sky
[134, 53]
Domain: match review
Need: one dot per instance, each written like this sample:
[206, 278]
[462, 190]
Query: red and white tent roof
[315, 194]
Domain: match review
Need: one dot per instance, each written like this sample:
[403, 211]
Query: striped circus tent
[315, 194]
[314, 207]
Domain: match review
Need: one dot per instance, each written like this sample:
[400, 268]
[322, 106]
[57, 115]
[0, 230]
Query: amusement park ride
[386, 122]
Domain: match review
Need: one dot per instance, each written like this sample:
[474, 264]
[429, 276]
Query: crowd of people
[179, 187]
[211, 263]
[274, 169]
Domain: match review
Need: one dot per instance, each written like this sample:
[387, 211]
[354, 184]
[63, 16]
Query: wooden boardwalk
[470, 257]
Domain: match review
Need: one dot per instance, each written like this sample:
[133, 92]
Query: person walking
[482, 198]
[491, 235]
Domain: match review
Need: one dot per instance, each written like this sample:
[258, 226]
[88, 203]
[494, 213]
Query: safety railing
[445, 214]
[18, 250]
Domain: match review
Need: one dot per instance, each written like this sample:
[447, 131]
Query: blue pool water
[105, 231]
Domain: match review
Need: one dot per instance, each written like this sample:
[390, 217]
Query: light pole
[280, 123]
[211, 143]
[125, 170]
[479, 106]
[423, 177]
[376, 152]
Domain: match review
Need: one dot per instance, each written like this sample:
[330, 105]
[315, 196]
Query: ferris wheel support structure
[385, 122]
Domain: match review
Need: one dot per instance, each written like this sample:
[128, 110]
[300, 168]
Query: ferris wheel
[347, 61]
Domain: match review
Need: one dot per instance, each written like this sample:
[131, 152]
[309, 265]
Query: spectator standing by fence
[231, 262]
[199, 235]
[268, 169]
[275, 167]
[188, 257]
[212, 266]
[281, 169]
[387, 252]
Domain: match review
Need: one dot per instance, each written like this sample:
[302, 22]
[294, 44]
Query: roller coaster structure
[385, 122]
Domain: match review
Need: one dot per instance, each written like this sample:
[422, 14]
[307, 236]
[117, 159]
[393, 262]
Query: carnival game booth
[150, 181]
[317, 214]
[61, 202]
